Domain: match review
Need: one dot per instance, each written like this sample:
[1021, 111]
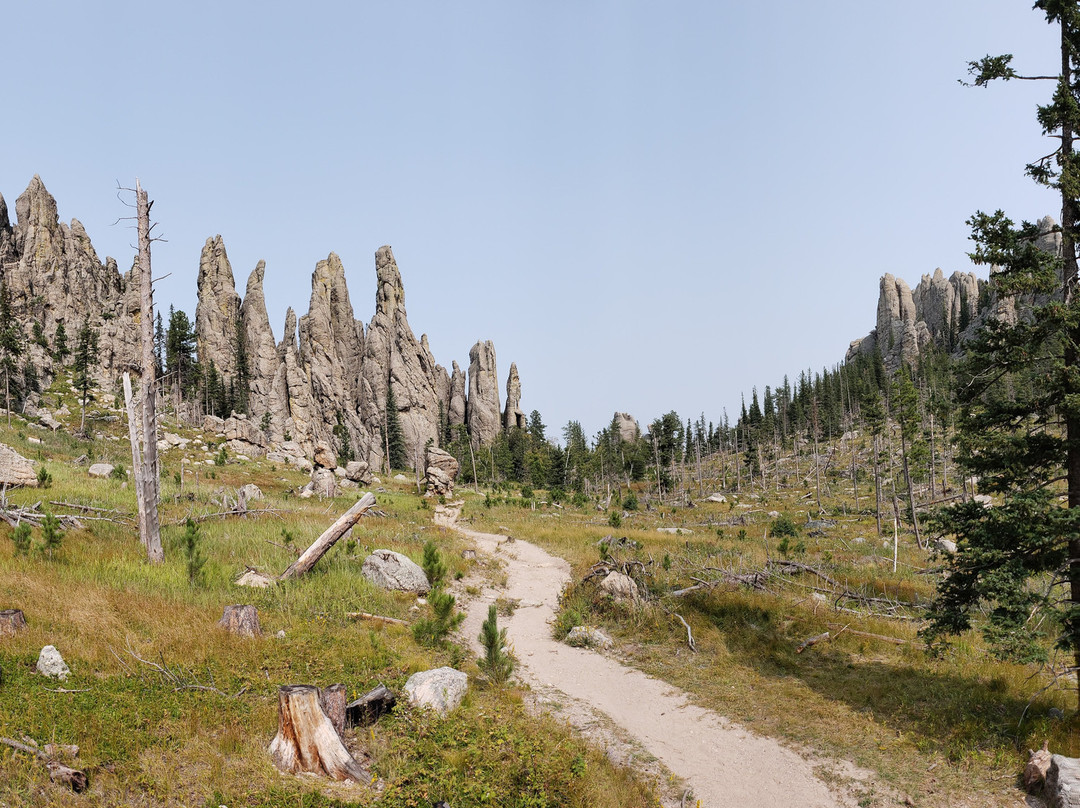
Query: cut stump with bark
[329, 538]
[12, 621]
[242, 621]
[306, 740]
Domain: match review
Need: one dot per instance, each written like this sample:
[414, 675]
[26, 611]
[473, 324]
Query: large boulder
[100, 470]
[325, 457]
[358, 472]
[390, 570]
[441, 470]
[441, 689]
[16, 469]
[324, 482]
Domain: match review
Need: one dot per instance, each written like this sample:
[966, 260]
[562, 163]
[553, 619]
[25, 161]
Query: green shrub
[21, 537]
[44, 478]
[119, 472]
[221, 457]
[615, 519]
[630, 502]
[784, 525]
[526, 492]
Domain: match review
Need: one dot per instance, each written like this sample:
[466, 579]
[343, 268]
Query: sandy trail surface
[723, 763]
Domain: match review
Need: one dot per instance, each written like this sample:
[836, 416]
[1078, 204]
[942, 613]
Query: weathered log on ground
[332, 700]
[306, 740]
[74, 779]
[1037, 767]
[377, 618]
[241, 620]
[1063, 782]
[12, 621]
[368, 708]
[310, 557]
[811, 641]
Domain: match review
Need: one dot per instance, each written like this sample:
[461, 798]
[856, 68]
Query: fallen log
[310, 557]
[368, 708]
[378, 618]
[306, 740]
[74, 779]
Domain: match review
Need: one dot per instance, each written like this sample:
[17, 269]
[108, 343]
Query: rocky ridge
[327, 380]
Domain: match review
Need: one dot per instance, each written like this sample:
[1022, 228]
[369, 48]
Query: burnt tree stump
[242, 621]
[306, 740]
[368, 708]
[12, 621]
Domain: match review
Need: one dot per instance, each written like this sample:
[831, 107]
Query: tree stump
[332, 701]
[12, 621]
[241, 620]
[368, 708]
[306, 740]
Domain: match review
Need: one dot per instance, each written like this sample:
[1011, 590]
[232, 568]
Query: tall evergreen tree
[11, 347]
[1019, 392]
[83, 363]
[393, 436]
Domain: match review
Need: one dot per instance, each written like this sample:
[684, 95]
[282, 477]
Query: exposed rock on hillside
[455, 410]
[482, 411]
[628, 427]
[262, 355]
[217, 314]
[393, 356]
[513, 416]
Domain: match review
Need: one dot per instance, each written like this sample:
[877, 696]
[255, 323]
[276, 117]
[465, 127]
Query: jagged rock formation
[513, 416]
[327, 380]
[53, 275]
[217, 313]
[940, 312]
[392, 356]
[455, 410]
[483, 415]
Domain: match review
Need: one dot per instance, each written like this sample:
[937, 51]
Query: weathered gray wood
[74, 779]
[241, 620]
[136, 454]
[306, 740]
[150, 491]
[1063, 782]
[368, 708]
[12, 621]
[310, 557]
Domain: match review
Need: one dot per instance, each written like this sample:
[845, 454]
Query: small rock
[946, 546]
[401, 478]
[676, 531]
[468, 555]
[441, 689]
[621, 587]
[51, 664]
[254, 579]
[101, 470]
[280, 634]
[716, 498]
[581, 636]
[32, 439]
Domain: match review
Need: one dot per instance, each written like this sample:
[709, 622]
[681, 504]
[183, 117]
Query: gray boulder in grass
[51, 664]
[441, 689]
[389, 570]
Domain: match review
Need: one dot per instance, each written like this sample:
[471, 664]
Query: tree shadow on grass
[920, 696]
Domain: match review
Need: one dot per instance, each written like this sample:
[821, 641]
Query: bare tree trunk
[877, 484]
[911, 490]
[150, 490]
[136, 455]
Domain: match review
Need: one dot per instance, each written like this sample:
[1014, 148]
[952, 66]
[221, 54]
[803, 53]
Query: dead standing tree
[144, 458]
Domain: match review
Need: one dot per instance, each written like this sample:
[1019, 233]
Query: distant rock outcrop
[513, 416]
[262, 355]
[628, 427]
[455, 410]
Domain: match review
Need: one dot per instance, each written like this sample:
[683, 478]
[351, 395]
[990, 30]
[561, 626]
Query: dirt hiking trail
[723, 763]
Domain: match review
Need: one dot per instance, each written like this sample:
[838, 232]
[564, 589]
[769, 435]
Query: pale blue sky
[647, 206]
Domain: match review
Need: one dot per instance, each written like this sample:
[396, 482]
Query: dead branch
[896, 640]
[811, 641]
[689, 636]
[74, 779]
[376, 617]
[230, 512]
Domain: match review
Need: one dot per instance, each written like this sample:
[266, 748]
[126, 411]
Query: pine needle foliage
[433, 631]
[194, 558]
[433, 565]
[497, 663]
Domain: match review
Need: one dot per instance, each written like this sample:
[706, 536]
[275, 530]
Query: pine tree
[393, 436]
[11, 347]
[159, 346]
[60, 346]
[497, 663]
[1019, 395]
[83, 363]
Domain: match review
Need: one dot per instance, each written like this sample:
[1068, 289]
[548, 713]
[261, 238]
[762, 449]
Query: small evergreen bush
[497, 663]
